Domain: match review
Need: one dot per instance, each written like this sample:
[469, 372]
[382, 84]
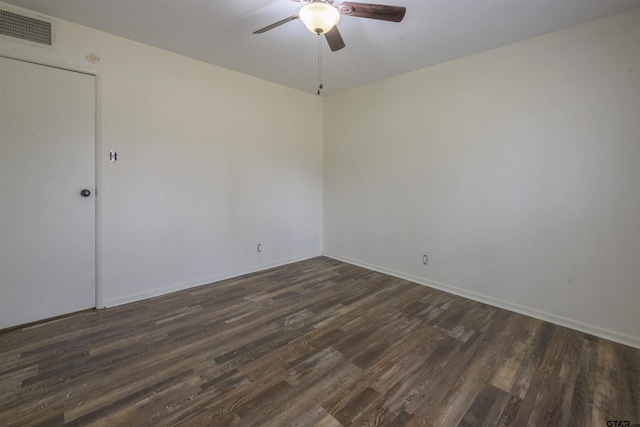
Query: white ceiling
[220, 32]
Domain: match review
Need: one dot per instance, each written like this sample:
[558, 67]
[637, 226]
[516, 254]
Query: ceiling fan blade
[277, 24]
[334, 39]
[372, 11]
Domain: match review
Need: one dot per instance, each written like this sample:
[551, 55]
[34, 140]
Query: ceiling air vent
[26, 28]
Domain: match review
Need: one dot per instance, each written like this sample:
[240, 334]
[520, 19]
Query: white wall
[516, 170]
[210, 163]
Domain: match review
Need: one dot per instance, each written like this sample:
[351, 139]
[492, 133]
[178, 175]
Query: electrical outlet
[259, 247]
[425, 259]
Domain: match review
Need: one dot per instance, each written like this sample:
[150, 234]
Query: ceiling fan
[321, 17]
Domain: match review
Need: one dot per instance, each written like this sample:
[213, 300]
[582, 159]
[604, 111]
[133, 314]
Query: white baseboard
[496, 302]
[182, 286]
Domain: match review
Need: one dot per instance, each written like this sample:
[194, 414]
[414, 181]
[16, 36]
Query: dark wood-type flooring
[315, 343]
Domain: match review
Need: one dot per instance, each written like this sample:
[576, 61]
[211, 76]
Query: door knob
[85, 193]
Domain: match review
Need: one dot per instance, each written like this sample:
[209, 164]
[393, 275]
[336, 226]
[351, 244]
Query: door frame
[99, 290]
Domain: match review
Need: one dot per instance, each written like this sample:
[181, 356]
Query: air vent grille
[25, 28]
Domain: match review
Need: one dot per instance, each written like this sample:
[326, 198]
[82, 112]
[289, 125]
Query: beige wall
[210, 163]
[516, 170]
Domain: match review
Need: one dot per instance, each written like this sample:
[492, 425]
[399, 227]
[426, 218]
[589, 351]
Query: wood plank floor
[315, 343]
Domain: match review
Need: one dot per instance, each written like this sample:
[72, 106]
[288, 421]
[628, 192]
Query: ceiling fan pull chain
[321, 60]
[319, 63]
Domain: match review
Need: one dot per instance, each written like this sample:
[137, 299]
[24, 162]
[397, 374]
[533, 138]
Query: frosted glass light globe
[319, 17]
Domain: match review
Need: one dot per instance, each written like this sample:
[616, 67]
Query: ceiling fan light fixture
[319, 17]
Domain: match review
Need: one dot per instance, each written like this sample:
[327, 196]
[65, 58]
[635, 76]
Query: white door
[47, 228]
